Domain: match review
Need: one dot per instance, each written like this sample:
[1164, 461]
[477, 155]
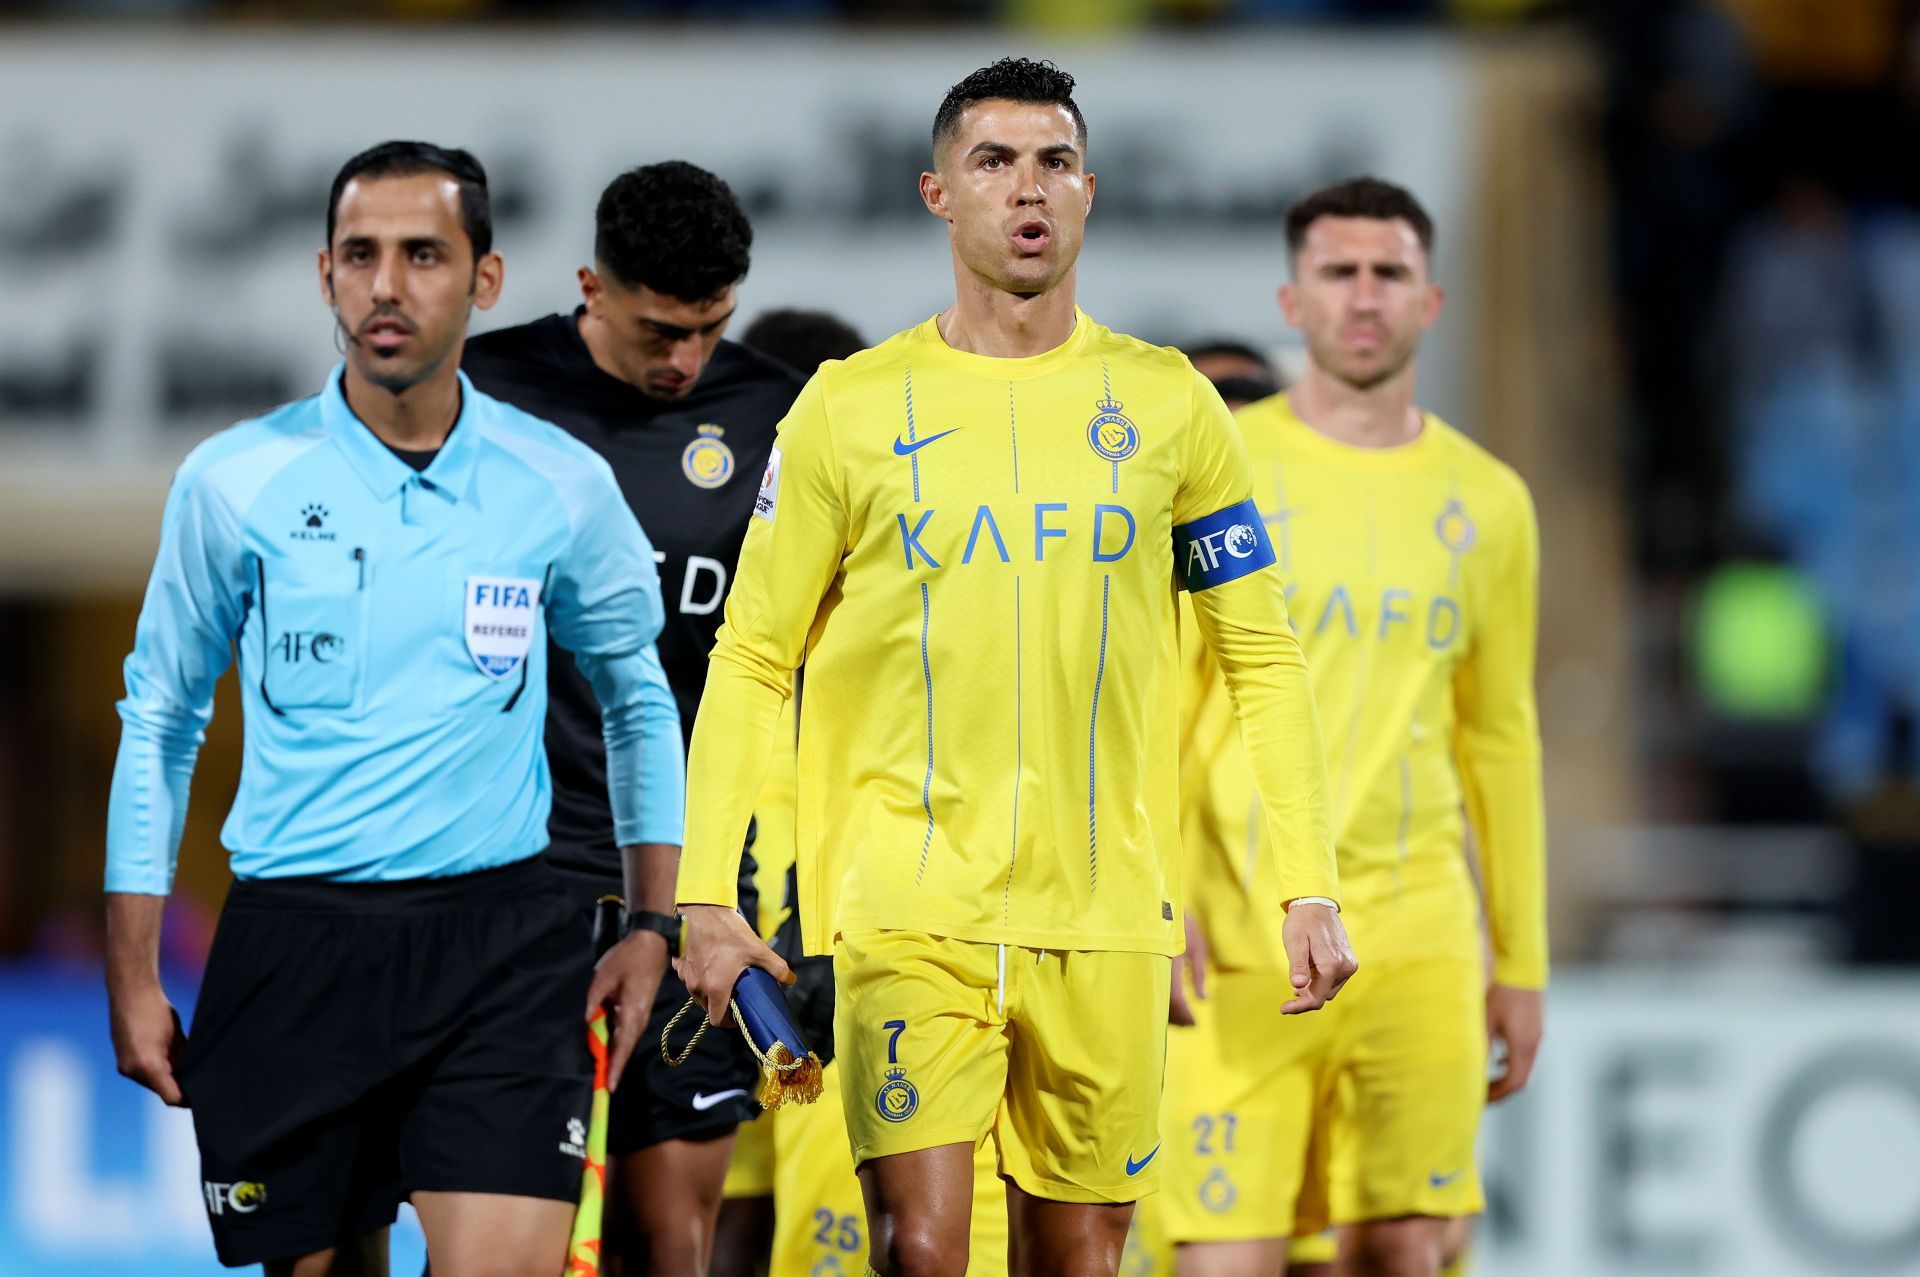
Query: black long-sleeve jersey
[690, 468]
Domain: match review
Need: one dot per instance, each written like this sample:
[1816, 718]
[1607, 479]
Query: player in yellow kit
[1410, 559]
[970, 534]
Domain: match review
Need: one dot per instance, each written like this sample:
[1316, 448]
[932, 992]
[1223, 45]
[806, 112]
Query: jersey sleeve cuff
[701, 889]
[1314, 889]
[1520, 973]
[656, 829]
[127, 880]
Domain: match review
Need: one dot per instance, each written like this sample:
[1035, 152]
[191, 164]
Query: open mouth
[386, 334]
[1032, 237]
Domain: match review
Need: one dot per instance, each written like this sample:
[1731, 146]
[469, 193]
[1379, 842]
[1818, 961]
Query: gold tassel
[783, 1079]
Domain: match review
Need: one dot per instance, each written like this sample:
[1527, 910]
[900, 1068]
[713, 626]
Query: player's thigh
[919, 1207]
[920, 1043]
[364, 1256]
[671, 1193]
[493, 1234]
[1413, 1086]
[820, 1216]
[1239, 1111]
[1051, 1238]
[1409, 1246]
[743, 1239]
[1264, 1257]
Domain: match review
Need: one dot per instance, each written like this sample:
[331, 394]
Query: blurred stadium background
[1682, 243]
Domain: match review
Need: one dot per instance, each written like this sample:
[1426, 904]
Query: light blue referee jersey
[392, 634]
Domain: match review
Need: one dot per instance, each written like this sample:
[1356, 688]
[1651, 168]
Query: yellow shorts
[750, 1173]
[1321, 1248]
[1059, 1054]
[1364, 1110]
[820, 1221]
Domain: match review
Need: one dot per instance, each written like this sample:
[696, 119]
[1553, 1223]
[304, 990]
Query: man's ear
[326, 276]
[933, 193]
[489, 276]
[1290, 303]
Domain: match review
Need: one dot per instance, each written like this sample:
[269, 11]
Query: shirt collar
[451, 473]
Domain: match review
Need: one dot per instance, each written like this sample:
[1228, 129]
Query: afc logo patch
[242, 1198]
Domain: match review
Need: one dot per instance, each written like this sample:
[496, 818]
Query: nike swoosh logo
[901, 448]
[1134, 1168]
[1437, 1180]
[702, 1102]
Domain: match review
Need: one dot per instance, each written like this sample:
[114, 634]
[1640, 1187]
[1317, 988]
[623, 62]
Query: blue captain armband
[1224, 546]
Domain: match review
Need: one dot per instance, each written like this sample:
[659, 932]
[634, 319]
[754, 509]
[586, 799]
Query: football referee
[641, 371]
[393, 1006]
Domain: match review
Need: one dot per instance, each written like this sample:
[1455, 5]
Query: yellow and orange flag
[583, 1252]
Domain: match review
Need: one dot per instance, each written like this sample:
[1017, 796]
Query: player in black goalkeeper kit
[641, 373]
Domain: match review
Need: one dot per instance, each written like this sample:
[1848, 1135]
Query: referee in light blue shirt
[393, 1006]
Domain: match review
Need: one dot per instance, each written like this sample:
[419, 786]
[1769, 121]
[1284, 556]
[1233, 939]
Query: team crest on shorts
[1112, 434]
[707, 462]
[1217, 1193]
[896, 1099]
[1454, 528]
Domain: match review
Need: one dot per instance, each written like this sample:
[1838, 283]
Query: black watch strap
[665, 925]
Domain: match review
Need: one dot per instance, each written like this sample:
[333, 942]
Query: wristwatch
[665, 925]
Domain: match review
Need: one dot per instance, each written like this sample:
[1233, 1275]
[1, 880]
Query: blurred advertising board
[98, 1178]
[157, 266]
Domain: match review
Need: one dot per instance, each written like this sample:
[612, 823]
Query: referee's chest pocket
[316, 638]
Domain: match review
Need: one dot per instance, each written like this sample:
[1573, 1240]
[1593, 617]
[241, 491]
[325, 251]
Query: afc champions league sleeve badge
[707, 462]
[501, 613]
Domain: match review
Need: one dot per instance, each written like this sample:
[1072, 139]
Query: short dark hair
[1359, 197]
[1231, 347]
[803, 339]
[408, 159]
[1009, 80]
[674, 228]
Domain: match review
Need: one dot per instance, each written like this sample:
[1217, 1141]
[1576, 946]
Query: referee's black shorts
[354, 1043]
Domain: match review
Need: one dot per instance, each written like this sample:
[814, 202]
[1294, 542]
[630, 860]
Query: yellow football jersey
[976, 559]
[1411, 578]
